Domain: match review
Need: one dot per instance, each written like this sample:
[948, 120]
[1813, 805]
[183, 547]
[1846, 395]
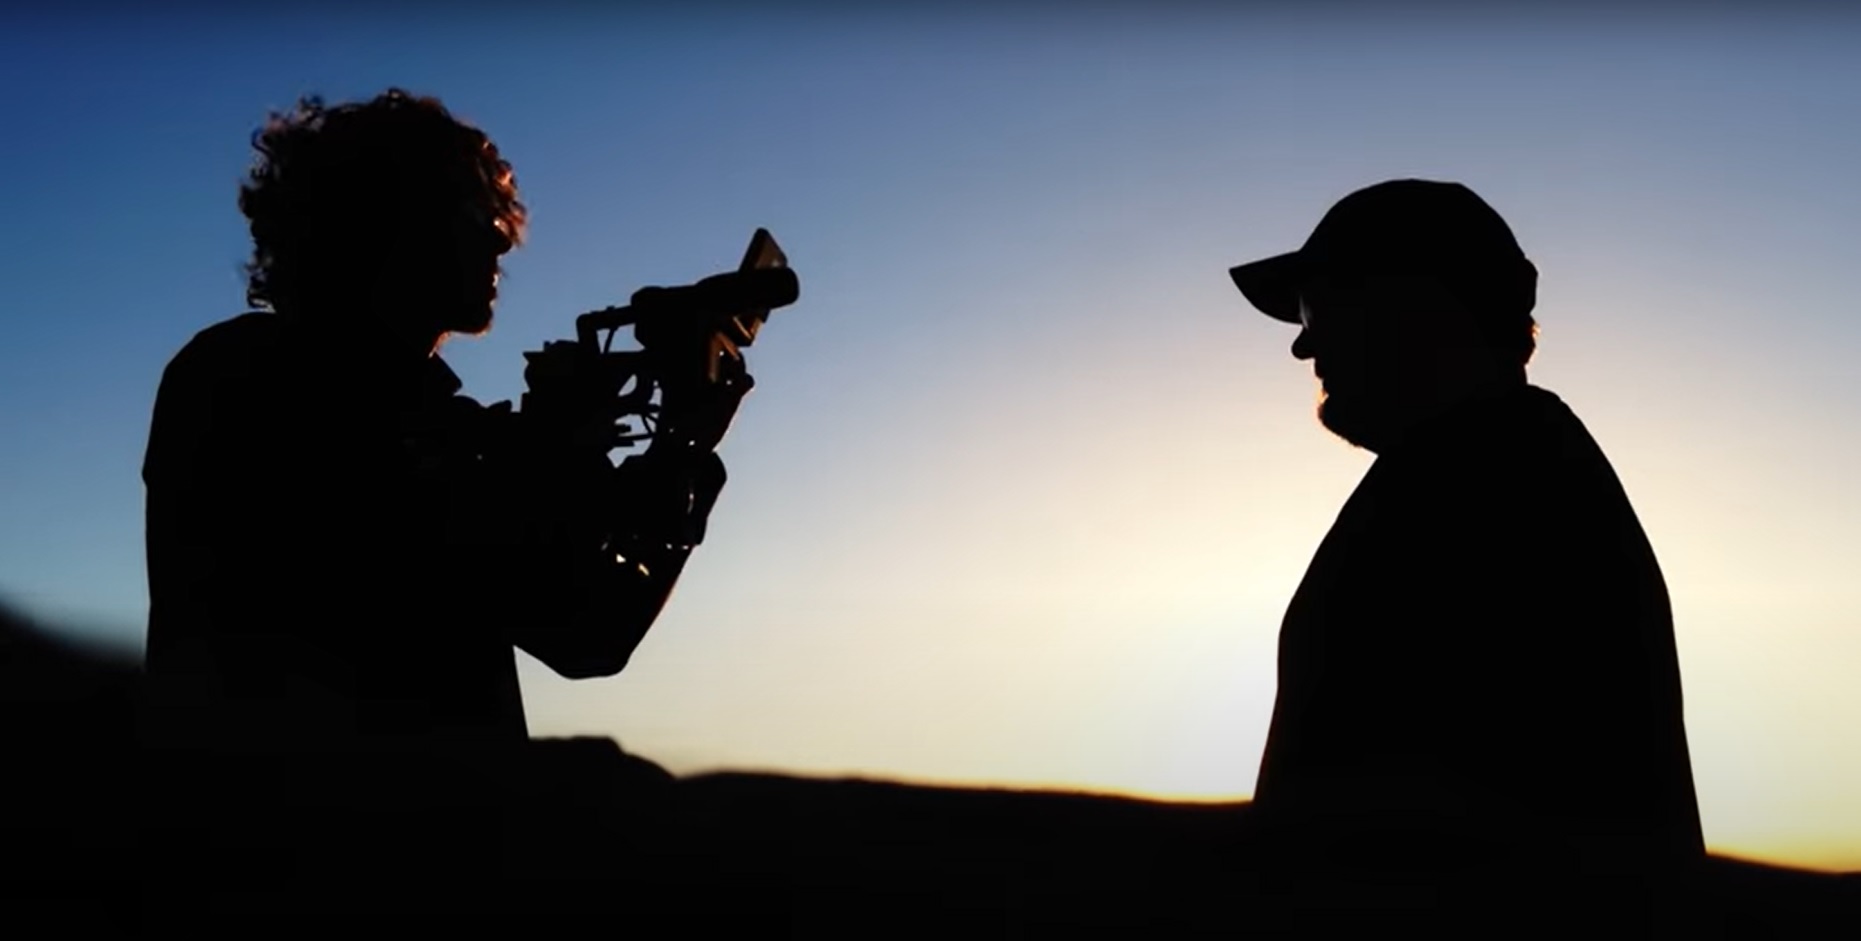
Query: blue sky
[1024, 486]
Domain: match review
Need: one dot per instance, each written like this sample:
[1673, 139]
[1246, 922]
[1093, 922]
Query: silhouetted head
[385, 215]
[1409, 294]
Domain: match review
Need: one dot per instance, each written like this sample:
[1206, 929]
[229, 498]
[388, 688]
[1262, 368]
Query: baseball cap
[1397, 226]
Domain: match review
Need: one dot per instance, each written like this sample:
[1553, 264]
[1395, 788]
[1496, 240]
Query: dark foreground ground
[596, 841]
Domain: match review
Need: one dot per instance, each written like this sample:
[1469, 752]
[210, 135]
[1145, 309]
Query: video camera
[676, 393]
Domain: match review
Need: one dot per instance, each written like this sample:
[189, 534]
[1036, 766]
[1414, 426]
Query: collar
[438, 380]
[432, 379]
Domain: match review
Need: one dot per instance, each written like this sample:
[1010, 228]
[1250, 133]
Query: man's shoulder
[1503, 457]
[1560, 437]
[1558, 466]
[223, 369]
[1531, 427]
[208, 384]
[223, 359]
[233, 340]
[1549, 407]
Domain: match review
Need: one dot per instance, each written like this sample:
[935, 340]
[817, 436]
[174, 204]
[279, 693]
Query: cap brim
[1272, 285]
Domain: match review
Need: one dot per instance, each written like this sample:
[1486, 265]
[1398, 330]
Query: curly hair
[329, 182]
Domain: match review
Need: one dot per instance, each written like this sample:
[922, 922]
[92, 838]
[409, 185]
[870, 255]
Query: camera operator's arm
[593, 607]
[597, 549]
[594, 630]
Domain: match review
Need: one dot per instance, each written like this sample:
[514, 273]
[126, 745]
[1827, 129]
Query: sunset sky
[1025, 485]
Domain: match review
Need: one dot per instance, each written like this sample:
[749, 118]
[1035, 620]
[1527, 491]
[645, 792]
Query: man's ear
[1425, 308]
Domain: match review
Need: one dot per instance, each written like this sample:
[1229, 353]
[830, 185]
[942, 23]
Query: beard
[441, 307]
[1350, 417]
[469, 313]
[471, 321]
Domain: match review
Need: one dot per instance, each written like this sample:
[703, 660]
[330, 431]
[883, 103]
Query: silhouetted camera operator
[343, 550]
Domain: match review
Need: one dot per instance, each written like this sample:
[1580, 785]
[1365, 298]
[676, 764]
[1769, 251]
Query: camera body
[675, 395]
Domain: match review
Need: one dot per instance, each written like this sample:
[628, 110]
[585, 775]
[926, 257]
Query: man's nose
[1302, 345]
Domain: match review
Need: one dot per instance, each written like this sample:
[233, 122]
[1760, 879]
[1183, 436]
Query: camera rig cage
[676, 393]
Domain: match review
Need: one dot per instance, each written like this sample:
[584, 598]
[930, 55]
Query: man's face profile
[1380, 347]
[448, 271]
[1403, 295]
[477, 240]
[1334, 334]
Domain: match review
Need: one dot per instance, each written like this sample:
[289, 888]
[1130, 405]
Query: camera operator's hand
[698, 413]
[664, 497]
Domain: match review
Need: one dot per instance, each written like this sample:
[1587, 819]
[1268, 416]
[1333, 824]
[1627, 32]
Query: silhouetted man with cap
[1484, 636]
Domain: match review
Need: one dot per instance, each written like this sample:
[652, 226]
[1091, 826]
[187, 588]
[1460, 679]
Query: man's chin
[1347, 422]
[475, 324]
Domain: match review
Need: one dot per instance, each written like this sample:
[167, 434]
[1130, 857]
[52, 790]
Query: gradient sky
[1025, 486]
